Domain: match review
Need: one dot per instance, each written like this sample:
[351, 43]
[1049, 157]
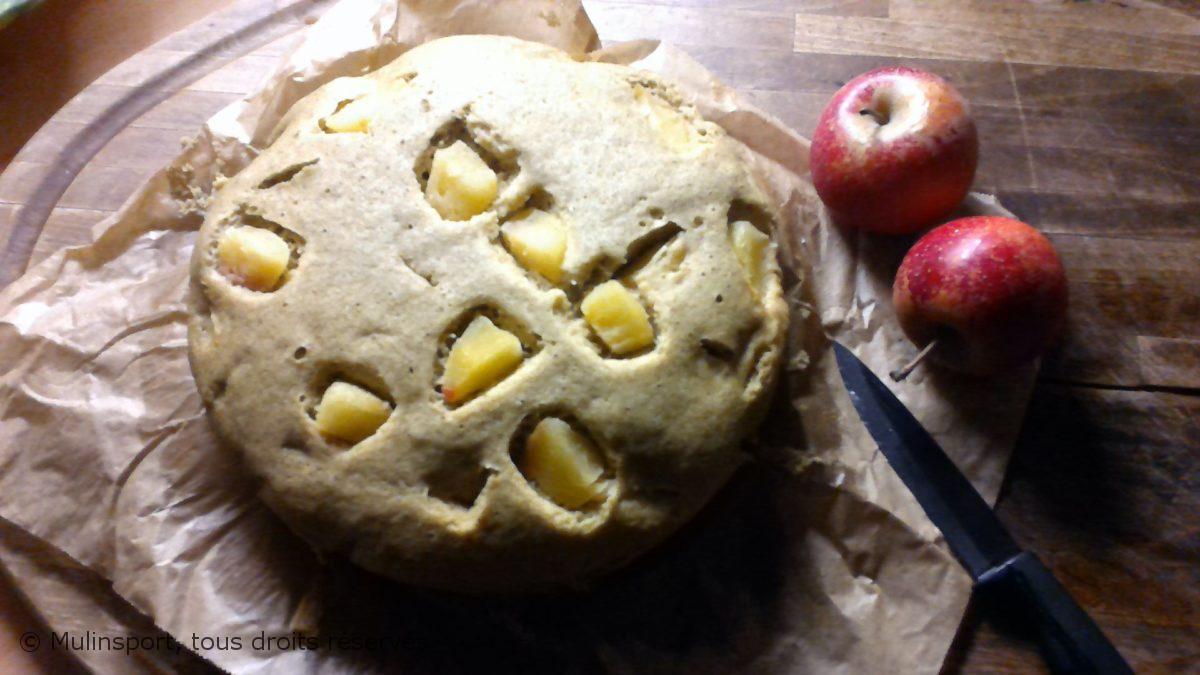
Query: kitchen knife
[1014, 580]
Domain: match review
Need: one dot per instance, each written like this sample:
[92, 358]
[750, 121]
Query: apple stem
[899, 374]
[879, 117]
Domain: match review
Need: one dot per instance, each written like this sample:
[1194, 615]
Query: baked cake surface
[488, 318]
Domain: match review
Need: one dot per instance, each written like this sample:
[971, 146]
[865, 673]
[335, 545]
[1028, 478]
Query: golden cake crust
[379, 286]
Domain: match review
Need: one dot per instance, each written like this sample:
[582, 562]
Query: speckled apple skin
[992, 291]
[900, 185]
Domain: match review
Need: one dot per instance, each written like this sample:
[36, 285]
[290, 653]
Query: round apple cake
[489, 318]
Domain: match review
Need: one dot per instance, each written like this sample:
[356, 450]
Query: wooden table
[1089, 116]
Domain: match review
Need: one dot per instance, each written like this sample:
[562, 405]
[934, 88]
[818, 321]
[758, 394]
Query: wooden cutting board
[1089, 115]
[119, 130]
[77, 170]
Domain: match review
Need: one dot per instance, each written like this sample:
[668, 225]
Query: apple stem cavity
[899, 374]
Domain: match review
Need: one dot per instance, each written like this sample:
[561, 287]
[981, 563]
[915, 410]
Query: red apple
[990, 290]
[894, 150]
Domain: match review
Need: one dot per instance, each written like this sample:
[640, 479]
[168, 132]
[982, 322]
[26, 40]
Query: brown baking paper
[815, 559]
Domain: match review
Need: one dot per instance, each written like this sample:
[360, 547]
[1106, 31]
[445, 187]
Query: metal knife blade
[1016, 581]
[974, 534]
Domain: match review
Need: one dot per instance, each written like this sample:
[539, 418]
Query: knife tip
[841, 352]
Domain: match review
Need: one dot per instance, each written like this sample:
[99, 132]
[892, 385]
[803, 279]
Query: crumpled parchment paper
[815, 559]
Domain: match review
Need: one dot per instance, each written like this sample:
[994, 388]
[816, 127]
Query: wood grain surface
[1089, 116]
[59, 47]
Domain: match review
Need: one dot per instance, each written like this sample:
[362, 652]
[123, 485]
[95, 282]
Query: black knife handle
[1071, 641]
